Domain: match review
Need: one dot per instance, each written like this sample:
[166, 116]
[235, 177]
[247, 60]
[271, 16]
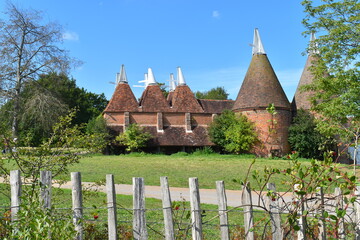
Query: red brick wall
[144, 118]
[114, 118]
[271, 141]
[201, 119]
[174, 119]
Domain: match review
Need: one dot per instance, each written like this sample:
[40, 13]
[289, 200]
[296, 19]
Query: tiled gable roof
[216, 106]
[123, 100]
[260, 87]
[302, 98]
[183, 100]
[153, 100]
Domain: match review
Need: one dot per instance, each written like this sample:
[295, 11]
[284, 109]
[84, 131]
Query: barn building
[180, 121]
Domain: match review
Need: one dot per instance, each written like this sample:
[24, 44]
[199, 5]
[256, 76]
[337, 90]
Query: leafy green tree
[336, 70]
[48, 98]
[89, 104]
[305, 138]
[218, 93]
[28, 47]
[233, 132]
[134, 138]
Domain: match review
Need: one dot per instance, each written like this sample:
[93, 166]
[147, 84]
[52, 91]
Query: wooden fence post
[302, 220]
[167, 209]
[196, 221]
[111, 206]
[277, 232]
[77, 203]
[45, 185]
[222, 203]
[15, 185]
[246, 201]
[139, 220]
[322, 222]
[340, 206]
[357, 213]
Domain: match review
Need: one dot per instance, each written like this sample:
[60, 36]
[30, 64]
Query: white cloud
[216, 14]
[71, 36]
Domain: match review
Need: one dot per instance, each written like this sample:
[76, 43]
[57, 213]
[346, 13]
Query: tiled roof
[216, 106]
[123, 100]
[183, 100]
[153, 100]
[301, 98]
[177, 136]
[260, 87]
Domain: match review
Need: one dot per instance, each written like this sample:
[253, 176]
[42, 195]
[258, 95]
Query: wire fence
[266, 218]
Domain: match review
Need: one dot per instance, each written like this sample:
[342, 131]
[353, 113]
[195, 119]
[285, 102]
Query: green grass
[178, 167]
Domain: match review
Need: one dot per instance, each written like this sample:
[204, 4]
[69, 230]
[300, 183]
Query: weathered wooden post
[222, 204]
[357, 213]
[302, 220]
[277, 232]
[167, 209]
[196, 221]
[139, 219]
[15, 185]
[77, 203]
[340, 206]
[111, 206]
[246, 201]
[322, 222]
[45, 185]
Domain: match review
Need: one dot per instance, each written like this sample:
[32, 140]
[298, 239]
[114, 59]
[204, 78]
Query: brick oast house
[181, 121]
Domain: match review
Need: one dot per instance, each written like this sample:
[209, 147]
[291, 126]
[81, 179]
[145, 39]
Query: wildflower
[96, 217]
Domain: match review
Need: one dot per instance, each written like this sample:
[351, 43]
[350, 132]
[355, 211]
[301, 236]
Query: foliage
[233, 132]
[48, 98]
[305, 138]
[28, 47]
[336, 65]
[305, 181]
[163, 89]
[97, 125]
[203, 151]
[35, 222]
[89, 104]
[134, 138]
[56, 154]
[218, 93]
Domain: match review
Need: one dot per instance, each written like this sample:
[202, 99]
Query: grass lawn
[178, 168]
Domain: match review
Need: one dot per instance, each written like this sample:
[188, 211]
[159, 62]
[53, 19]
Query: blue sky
[208, 39]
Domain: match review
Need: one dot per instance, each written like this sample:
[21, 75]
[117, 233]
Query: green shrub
[35, 223]
[203, 151]
[305, 138]
[233, 132]
[134, 138]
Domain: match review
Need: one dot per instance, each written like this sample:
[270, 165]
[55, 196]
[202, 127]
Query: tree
[306, 139]
[134, 138]
[233, 132]
[218, 93]
[336, 70]
[43, 101]
[28, 48]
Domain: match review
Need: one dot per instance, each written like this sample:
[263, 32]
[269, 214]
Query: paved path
[179, 194]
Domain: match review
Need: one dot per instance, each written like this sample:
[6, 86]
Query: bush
[233, 132]
[134, 138]
[35, 222]
[305, 138]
